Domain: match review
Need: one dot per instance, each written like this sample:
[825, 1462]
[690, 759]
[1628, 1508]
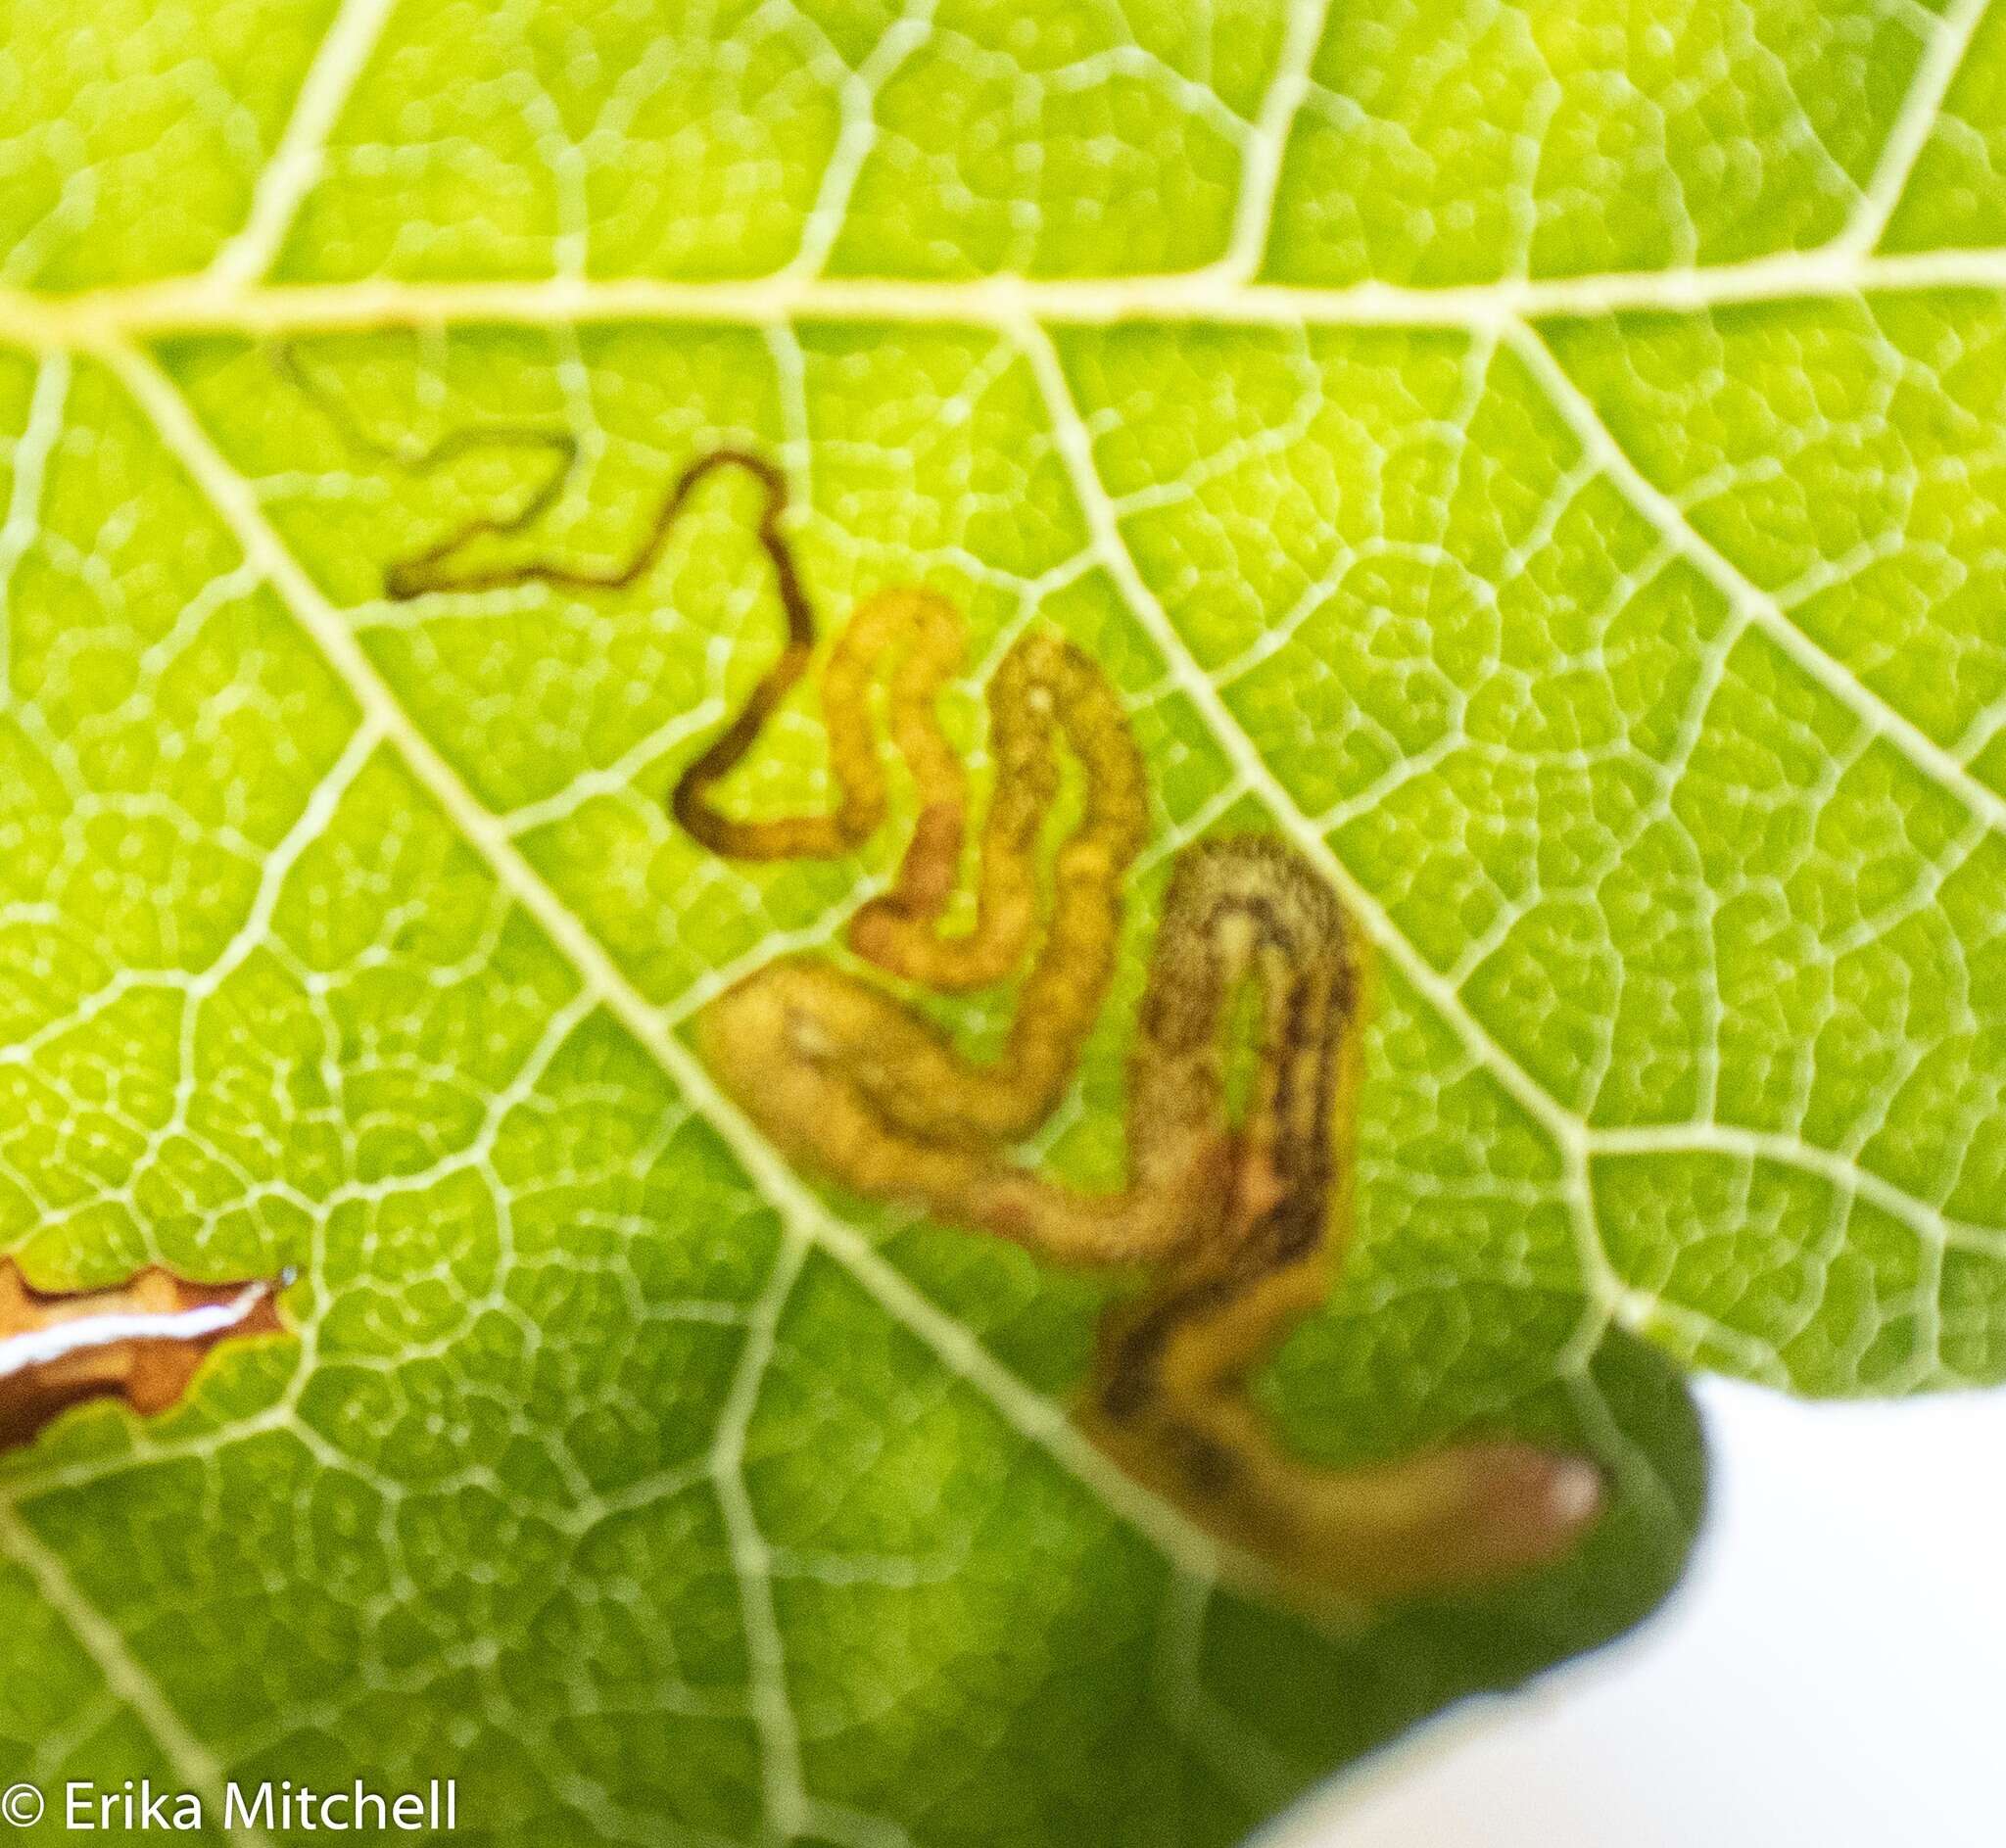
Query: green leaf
[1547, 465]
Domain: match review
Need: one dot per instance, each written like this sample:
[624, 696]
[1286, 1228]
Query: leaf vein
[295, 165]
[191, 1761]
[1921, 112]
[1880, 719]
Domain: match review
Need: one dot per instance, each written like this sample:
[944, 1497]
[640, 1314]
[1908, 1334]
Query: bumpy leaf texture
[1545, 460]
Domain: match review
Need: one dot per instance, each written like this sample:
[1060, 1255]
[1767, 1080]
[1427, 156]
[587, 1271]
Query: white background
[1834, 1672]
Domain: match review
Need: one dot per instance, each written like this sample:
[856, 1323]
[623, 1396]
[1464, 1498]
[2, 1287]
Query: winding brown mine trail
[1236, 1216]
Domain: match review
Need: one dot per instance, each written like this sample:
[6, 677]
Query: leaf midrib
[211, 303]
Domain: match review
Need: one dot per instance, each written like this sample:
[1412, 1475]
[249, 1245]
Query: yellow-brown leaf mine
[140, 1340]
[1235, 1215]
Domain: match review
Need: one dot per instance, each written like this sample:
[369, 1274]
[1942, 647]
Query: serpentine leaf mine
[1234, 1216]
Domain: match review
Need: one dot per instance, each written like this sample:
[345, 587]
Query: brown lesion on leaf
[140, 1340]
[1235, 1211]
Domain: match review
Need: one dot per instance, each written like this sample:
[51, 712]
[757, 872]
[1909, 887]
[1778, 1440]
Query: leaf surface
[1549, 468]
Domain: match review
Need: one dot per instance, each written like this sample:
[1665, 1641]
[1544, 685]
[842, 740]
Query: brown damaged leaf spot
[140, 1340]
[1235, 1213]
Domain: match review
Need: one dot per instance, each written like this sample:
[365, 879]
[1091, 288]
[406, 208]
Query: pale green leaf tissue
[1549, 461]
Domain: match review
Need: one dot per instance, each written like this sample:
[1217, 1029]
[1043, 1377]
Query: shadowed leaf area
[1550, 485]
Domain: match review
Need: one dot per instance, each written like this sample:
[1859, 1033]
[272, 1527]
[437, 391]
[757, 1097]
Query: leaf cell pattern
[1547, 470]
